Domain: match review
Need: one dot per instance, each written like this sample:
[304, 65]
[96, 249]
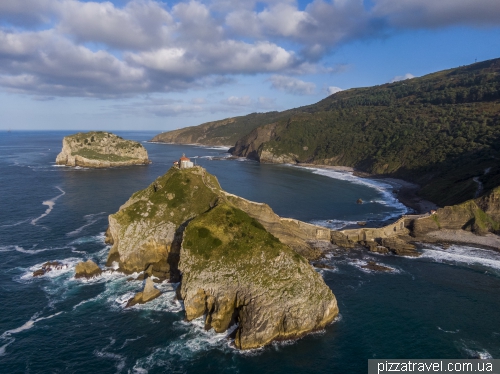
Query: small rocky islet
[100, 149]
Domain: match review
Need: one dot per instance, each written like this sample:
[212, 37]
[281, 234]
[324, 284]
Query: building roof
[185, 159]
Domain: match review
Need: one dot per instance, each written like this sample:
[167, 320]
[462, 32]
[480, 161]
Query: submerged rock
[149, 293]
[49, 266]
[372, 265]
[87, 269]
[98, 149]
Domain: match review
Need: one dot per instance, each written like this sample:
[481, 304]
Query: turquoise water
[442, 305]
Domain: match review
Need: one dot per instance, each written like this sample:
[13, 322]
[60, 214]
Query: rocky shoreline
[99, 149]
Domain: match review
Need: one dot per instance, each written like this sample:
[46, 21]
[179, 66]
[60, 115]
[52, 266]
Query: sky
[162, 65]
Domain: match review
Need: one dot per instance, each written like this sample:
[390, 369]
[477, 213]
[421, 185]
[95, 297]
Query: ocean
[444, 304]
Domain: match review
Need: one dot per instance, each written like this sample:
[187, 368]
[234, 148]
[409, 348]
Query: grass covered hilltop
[441, 131]
[99, 149]
[237, 261]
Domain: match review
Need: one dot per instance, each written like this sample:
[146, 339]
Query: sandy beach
[490, 241]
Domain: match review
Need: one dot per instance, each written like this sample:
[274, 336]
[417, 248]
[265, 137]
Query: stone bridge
[400, 227]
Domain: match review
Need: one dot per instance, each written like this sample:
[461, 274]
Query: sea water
[443, 304]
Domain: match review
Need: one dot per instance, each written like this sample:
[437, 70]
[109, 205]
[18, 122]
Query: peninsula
[239, 265]
[99, 149]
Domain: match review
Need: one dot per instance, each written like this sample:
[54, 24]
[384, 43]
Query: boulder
[87, 269]
[399, 247]
[372, 265]
[339, 239]
[149, 293]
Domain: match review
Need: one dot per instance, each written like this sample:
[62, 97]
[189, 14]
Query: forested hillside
[441, 131]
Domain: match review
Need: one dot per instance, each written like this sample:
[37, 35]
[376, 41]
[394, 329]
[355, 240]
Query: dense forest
[441, 131]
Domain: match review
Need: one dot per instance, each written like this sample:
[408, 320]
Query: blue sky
[162, 65]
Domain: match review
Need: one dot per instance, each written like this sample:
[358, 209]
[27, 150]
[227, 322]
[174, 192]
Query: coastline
[406, 192]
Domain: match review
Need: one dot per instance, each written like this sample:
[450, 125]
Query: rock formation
[240, 262]
[149, 293]
[87, 269]
[98, 149]
[235, 271]
[49, 266]
[480, 216]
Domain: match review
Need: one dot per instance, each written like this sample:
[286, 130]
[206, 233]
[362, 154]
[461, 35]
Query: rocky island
[99, 149]
[238, 263]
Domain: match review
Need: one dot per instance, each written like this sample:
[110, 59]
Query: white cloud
[100, 49]
[139, 25]
[238, 101]
[292, 85]
[398, 78]
[333, 90]
[44, 63]
[226, 57]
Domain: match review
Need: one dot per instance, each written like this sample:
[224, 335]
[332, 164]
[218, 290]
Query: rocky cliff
[235, 271]
[481, 215]
[98, 149]
[239, 261]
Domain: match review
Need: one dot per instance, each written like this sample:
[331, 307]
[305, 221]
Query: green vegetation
[176, 196]
[91, 154]
[440, 131]
[228, 233]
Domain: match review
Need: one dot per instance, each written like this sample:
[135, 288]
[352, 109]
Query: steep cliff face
[240, 262]
[480, 216]
[235, 271]
[147, 230]
[98, 149]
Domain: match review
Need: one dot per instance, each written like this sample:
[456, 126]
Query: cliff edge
[99, 149]
[237, 261]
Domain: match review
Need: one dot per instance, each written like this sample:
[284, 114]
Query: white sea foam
[50, 203]
[15, 224]
[120, 360]
[334, 224]
[448, 331]
[360, 263]
[3, 347]
[474, 350]
[17, 248]
[385, 189]
[28, 325]
[459, 254]
[91, 219]
[68, 265]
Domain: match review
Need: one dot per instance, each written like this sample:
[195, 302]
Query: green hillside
[441, 131]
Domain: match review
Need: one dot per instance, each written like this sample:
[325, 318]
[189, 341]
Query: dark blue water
[442, 305]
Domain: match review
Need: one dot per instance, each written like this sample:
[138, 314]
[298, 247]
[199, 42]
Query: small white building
[185, 163]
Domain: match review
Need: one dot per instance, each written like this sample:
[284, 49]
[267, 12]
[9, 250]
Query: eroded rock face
[149, 293]
[87, 269]
[480, 216]
[147, 230]
[240, 262]
[235, 271]
[98, 149]
[400, 247]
